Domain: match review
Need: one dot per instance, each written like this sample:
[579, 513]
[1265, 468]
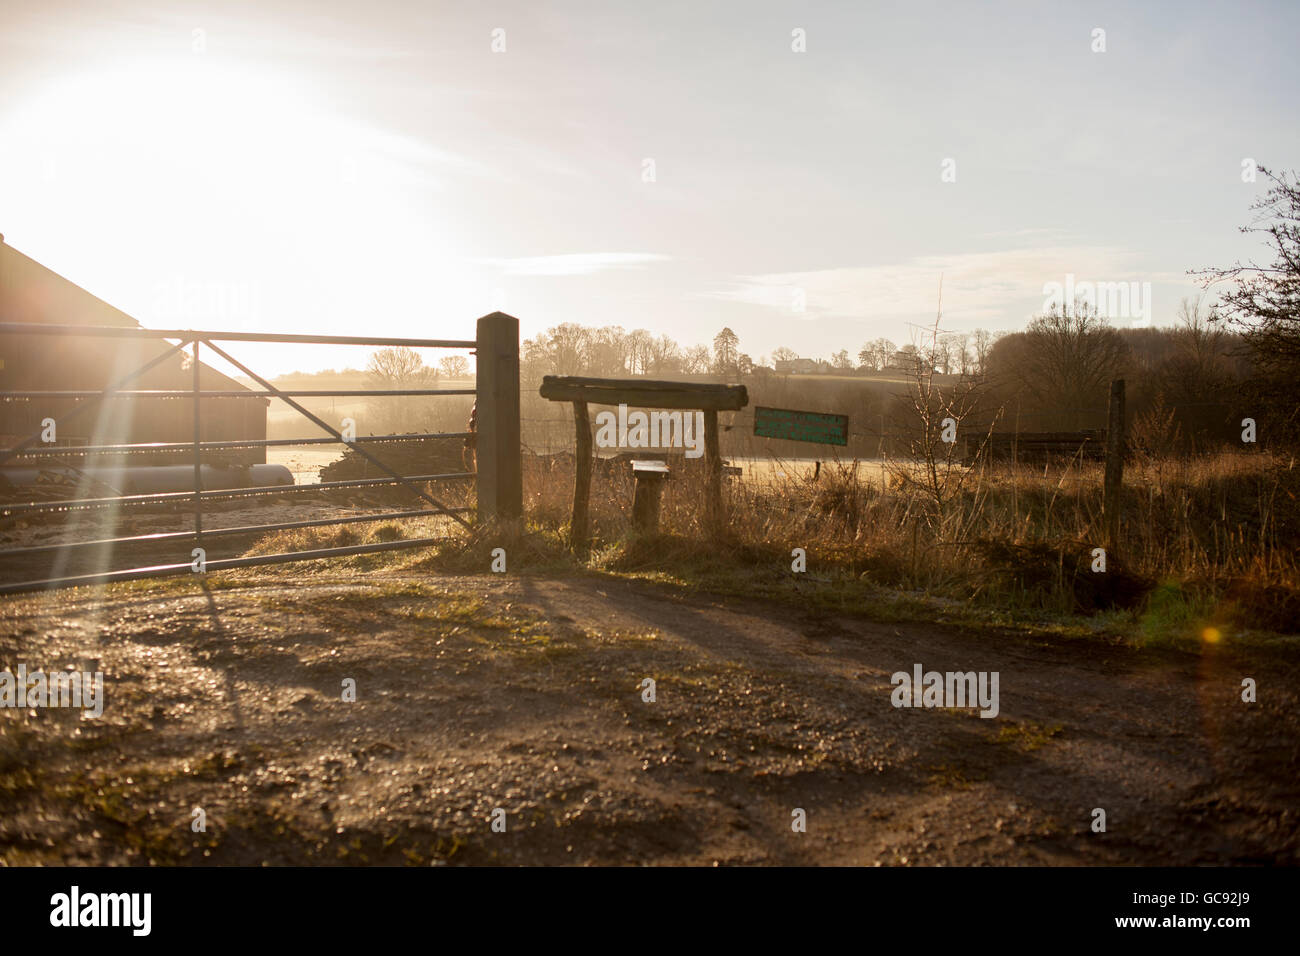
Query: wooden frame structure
[693, 396]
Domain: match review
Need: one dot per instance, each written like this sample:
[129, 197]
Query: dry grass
[1211, 539]
[1208, 546]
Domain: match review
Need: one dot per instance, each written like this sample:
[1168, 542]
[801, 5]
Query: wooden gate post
[500, 481]
[1114, 463]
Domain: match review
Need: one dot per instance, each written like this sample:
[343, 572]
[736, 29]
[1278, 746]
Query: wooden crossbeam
[644, 394]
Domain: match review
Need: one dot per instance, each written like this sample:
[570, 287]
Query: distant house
[30, 293]
[799, 366]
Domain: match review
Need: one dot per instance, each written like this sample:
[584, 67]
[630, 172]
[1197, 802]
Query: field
[304, 461]
[525, 694]
[524, 691]
[1203, 542]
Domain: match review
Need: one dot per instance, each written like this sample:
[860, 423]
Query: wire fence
[552, 434]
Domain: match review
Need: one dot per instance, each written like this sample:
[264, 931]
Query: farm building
[799, 366]
[32, 293]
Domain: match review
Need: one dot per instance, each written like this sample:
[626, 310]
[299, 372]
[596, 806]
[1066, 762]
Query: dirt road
[525, 694]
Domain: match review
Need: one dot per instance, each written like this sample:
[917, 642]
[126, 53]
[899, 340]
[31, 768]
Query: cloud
[975, 285]
[573, 264]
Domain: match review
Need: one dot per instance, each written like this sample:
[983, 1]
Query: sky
[808, 174]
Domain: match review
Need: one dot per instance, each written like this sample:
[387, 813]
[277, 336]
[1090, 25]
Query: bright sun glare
[232, 197]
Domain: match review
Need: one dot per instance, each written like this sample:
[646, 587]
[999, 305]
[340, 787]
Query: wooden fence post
[713, 465]
[1114, 463]
[500, 482]
[578, 527]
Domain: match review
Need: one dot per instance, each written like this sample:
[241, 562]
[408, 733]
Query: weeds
[1223, 531]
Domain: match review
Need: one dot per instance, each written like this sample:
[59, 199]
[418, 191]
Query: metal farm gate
[497, 474]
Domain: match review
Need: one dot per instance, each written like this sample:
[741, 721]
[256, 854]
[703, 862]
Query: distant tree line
[1185, 384]
[1189, 385]
[612, 351]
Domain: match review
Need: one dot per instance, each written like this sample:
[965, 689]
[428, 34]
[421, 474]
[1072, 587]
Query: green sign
[801, 426]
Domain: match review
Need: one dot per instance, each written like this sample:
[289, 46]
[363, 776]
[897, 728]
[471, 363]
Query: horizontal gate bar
[233, 393]
[221, 564]
[60, 451]
[170, 496]
[7, 453]
[189, 335]
[320, 423]
[166, 536]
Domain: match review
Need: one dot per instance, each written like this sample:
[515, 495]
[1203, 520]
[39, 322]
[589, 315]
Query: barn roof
[33, 293]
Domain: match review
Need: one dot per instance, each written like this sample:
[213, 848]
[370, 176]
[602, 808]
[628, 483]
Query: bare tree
[696, 360]
[397, 368]
[981, 342]
[454, 366]
[664, 356]
[1184, 383]
[1066, 361]
[883, 350]
[957, 353]
[943, 421]
[1200, 335]
[1264, 301]
[606, 351]
[914, 359]
[640, 344]
[941, 354]
[394, 369]
[567, 349]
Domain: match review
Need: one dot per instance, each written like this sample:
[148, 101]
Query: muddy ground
[525, 694]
